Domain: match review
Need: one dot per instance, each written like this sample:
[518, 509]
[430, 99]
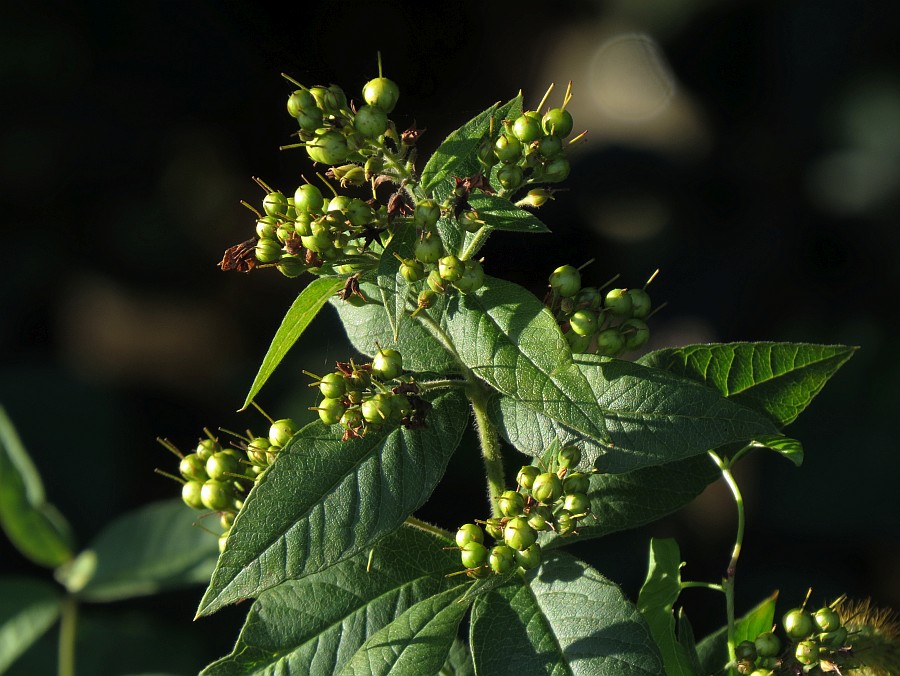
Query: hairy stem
[490, 445]
[476, 243]
[67, 625]
[427, 527]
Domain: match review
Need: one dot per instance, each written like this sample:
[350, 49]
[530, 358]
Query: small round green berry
[556, 170]
[426, 214]
[502, 559]
[426, 299]
[507, 148]
[767, 644]
[193, 467]
[470, 220]
[565, 523]
[291, 266]
[565, 281]
[546, 488]
[527, 129]
[191, 492]
[412, 270]
[268, 250]
[387, 364]
[223, 542]
[222, 464]
[610, 342]
[267, 227]
[359, 213]
[437, 283]
[381, 92]
[526, 476]
[299, 100]
[352, 419]
[511, 503]
[745, 650]
[518, 534]
[469, 532]
[576, 482]
[558, 122]
[333, 385]
[331, 410]
[807, 652]
[635, 332]
[577, 504]
[530, 557]
[589, 297]
[428, 249]
[578, 344]
[549, 146]
[539, 517]
[310, 119]
[618, 302]
[640, 303]
[370, 121]
[569, 456]
[494, 527]
[328, 147]
[827, 619]
[450, 268]
[216, 495]
[376, 410]
[473, 554]
[308, 199]
[226, 520]
[472, 277]
[798, 624]
[275, 204]
[281, 431]
[510, 177]
[536, 198]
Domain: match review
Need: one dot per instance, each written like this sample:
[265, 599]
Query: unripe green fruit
[536, 197]
[310, 119]
[291, 266]
[333, 385]
[577, 343]
[558, 122]
[450, 268]
[223, 541]
[472, 278]
[610, 342]
[226, 520]
[767, 644]
[359, 213]
[412, 270]
[618, 302]
[352, 419]
[381, 92]
[370, 121]
[222, 464]
[331, 410]
[527, 129]
[216, 495]
[530, 557]
[568, 456]
[798, 624]
[281, 431]
[473, 554]
[565, 523]
[635, 333]
[511, 503]
[426, 299]
[437, 283]
[377, 409]
[525, 477]
[540, 517]
[589, 297]
[191, 494]
[193, 467]
[387, 364]
[577, 504]
[470, 221]
[298, 101]
[510, 177]
[640, 303]
[549, 146]
[507, 148]
[329, 147]
[275, 204]
[494, 528]
[518, 534]
[502, 559]
[546, 488]
[807, 652]
[268, 250]
[576, 482]
[556, 170]
[827, 619]
[745, 650]
[565, 281]
[266, 227]
[206, 447]
[428, 249]
[469, 532]
[426, 214]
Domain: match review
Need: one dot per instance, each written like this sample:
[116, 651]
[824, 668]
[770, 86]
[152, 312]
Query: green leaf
[302, 311]
[510, 340]
[369, 324]
[789, 448]
[33, 525]
[315, 625]
[623, 501]
[456, 155]
[417, 642]
[499, 213]
[152, 549]
[652, 417]
[780, 379]
[324, 500]
[686, 639]
[459, 661]
[567, 619]
[656, 601]
[28, 608]
[713, 650]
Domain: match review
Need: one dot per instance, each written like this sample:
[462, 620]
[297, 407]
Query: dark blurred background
[749, 150]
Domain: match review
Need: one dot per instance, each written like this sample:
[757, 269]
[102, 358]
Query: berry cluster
[216, 478]
[530, 148]
[817, 643]
[592, 322]
[361, 397]
[553, 500]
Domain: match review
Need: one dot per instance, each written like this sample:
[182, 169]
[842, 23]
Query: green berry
[745, 650]
[635, 332]
[518, 534]
[577, 504]
[281, 431]
[473, 554]
[610, 342]
[569, 456]
[193, 468]
[436, 283]
[565, 523]
[530, 557]
[266, 227]
[426, 214]
[527, 128]
[807, 652]
[472, 278]
[558, 122]
[526, 476]
[827, 619]
[428, 249]
[640, 303]
[577, 343]
[375, 411]
[494, 528]
[331, 410]
[510, 177]
[216, 495]
[333, 385]
[298, 101]
[502, 559]
[450, 268]
[546, 488]
[268, 250]
[381, 92]
[412, 270]
[507, 148]
[539, 518]
[328, 147]
[589, 297]
[511, 503]
[565, 281]
[767, 644]
[834, 639]
[222, 464]
[469, 532]
[291, 266]
[618, 302]
[370, 121]
[387, 364]
[223, 541]
[798, 624]
[275, 204]
[549, 147]
[226, 520]
[556, 170]
[576, 482]
[191, 494]
[310, 119]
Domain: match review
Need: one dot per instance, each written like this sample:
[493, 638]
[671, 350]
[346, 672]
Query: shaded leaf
[315, 625]
[33, 525]
[567, 619]
[789, 448]
[152, 549]
[656, 601]
[459, 661]
[780, 379]
[324, 500]
[28, 608]
[686, 639]
[652, 417]
[302, 311]
[499, 213]
[713, 650]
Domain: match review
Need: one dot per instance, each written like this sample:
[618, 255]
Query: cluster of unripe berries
[529, 149]
[217, 478]
[817, 643]
[593, 322]
[362, 397]
[301, 233]
[553, 500]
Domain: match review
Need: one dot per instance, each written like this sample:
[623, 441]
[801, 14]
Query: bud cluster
[593, 322]
[363, 397]
[546, 501]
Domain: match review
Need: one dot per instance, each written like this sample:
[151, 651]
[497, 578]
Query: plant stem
[445, 384]
[702, 585]
[728, 581]
[490, 445]
[67, 626]
[480, 237]
[427, 527]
